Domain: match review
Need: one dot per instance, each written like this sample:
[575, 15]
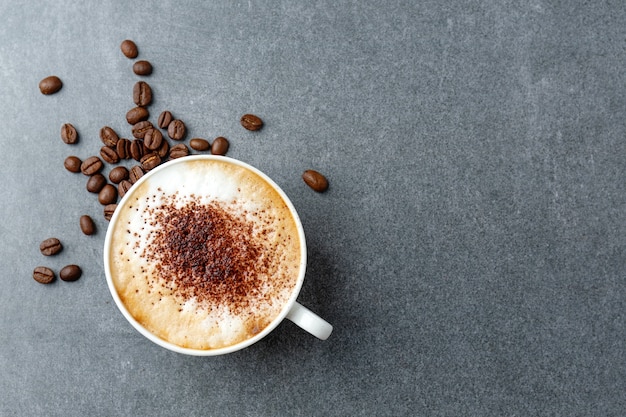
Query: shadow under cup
[183, 177]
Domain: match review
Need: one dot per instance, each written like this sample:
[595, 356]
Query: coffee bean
[178, 151]
[315, 180]
[135, 173]
[117, 174]
[70, 273]
[108, 195]
[91, 165]
[50, 246]
[165, 118]
[123, 148]
[164, 149]
[176, 130]
[43, 275]
[142, 93]
[50, 85]
[108, 136]
[199, 144]
[251, 122]
[129, 49]
[69, 134]
[136, 149]
[139, 129]
[219, 146]
[123, 187]
[109, 155]
[137, 114]
[87, 226]
[142, 68]
[109, 209]
[150, 161]
[95, 183]
[153, 139]
[72, 163]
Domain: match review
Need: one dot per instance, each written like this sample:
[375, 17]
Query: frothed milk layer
[205, 254]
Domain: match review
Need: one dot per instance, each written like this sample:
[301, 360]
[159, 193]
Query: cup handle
[309, 321]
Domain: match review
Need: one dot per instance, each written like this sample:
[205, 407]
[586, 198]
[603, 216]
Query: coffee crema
[205, 254]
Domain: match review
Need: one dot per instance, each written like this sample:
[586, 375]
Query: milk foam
[189, 322]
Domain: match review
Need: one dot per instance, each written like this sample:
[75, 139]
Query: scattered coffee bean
[50, 246]
[142, 93]
[123, 148]
[176, 130]
[123, 187]
[139, 129]
[199, 144]
[108, 195]
[72, 163]
[69, 134]
[164, 149]
[87, 226]
[136, 149]
[96, 182]
[117, 174]
[219, 146]
[91, 165]
[43, 275]
[251, 122]
[137, 114]
[178, 151]
[50, 85]
[142, 68]
[109, 155]
[108, 136]
[129, 49]
[153, 139]
[150, 161]
[165, 118]
[135, 173]
[70, 273]
[315, 180]
[109, 209]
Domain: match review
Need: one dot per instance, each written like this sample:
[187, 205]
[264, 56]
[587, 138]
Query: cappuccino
[205, 253]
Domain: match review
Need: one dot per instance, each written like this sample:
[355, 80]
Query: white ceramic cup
[291, 310]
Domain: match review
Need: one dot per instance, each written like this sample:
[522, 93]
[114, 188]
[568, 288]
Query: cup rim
[245, 343]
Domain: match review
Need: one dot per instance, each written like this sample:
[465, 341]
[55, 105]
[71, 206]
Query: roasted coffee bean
[199, 144]
[137, 114]
[176, 130]
[142, 93]
[95, 183]
[91, 165]
[135, 173]
[70, 273]
[153, 139]
[50, 85]
[165, 118]
[150, 161]
[108, 136]
[118, 174]
[123, 148]
[109, 209]
[251, 122]
[142, 68]
[43, 275]
[178, 151]
[136, 149]
[123, 187]
[164, 149]
[69, 134]
[50, 246]
[315, 180]
[72, 163]
[108, 195]
[109, 155]
[219, 146]
[129, 49]
[87, 226]
[139, 129]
